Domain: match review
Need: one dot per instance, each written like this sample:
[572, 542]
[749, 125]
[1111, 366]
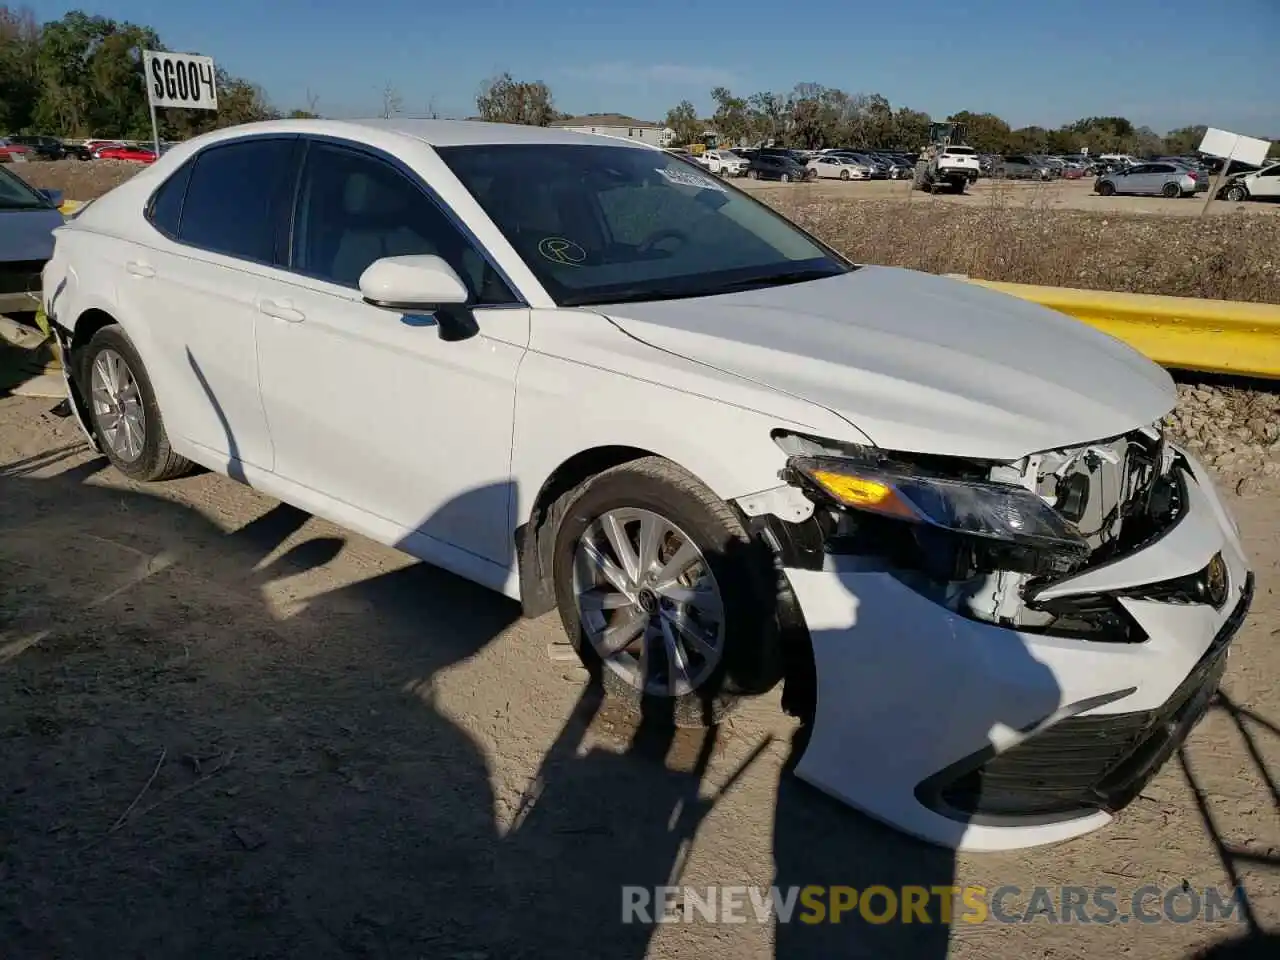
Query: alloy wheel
[648, 602]
[117, 405]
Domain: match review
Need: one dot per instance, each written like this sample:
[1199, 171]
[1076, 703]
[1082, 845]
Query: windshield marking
[687, 179]
[562, 251]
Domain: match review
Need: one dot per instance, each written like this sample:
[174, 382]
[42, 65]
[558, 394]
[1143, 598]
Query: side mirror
[53, 196]
[420, 284]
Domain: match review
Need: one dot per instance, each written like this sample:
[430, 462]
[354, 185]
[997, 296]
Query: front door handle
[137, 268]
[281, 310]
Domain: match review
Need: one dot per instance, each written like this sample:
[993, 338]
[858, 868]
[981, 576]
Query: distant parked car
[124, 152]
[1152, 179]
[838, 167]
[1248, 186]
[44, 148]
[778, 166]
[723, 162]
[1022, 167]
[27, 219]
[10, 151]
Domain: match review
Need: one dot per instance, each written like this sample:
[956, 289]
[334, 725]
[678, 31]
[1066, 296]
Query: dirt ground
[232, 730]
[1055, 195]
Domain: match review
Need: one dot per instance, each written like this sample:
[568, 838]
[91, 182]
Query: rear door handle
[137, 268]
[281, 310]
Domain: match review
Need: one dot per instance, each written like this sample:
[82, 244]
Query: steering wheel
[653, 239]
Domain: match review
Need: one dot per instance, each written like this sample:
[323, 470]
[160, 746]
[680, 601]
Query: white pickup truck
[723, 162]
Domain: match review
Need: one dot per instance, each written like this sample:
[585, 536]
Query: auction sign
[181, 80]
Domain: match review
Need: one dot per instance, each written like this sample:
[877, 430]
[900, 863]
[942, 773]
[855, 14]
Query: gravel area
[77, 179]
[1234, 427]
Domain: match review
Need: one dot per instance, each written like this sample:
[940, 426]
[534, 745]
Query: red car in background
[122, 152]
[10, 151]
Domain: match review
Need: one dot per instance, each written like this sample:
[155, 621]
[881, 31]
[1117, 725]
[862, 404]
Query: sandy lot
[231, 730]
[1055, 195]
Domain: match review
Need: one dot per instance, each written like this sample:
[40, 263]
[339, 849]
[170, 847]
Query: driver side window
[353, 209]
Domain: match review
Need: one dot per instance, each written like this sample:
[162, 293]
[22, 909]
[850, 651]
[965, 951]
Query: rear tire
[1171, 191]
[741, 651]
[117, 410]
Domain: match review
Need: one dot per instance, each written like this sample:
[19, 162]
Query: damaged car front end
[1004, 652]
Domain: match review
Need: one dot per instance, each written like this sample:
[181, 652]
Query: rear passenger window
[233, 198]
[166, 204]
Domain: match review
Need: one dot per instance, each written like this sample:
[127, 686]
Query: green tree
[731, 119]
[19, 67]
[1184, 139]
[910, 128]
[987, 133]
[683, 120]
[503, 99]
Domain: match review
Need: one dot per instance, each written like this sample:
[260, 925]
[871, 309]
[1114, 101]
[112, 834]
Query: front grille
[20, 276]
[1088, 762]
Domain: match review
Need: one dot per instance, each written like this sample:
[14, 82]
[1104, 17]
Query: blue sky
[1164, 63]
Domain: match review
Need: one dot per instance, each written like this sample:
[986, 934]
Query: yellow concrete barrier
[70, 206]
[1215, 336]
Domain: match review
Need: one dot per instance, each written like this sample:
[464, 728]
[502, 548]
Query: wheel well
[534, 539]
[89, 323]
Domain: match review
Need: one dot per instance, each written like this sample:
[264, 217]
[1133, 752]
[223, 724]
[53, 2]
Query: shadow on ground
[211, 748]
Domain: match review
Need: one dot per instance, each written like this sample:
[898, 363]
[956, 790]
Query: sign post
[1230, 147]
[182, 80]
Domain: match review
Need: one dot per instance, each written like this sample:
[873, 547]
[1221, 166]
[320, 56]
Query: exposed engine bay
[1108, 498]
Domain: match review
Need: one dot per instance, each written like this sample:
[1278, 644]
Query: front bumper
[979, 737]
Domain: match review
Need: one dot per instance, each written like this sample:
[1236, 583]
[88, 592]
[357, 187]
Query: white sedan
[839, 168]
[590, 376]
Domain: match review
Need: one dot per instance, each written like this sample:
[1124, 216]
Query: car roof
[435, 133]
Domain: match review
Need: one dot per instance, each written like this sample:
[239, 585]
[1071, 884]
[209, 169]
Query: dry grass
[1218, 257]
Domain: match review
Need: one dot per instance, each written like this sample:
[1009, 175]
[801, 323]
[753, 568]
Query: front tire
[844, 174]
[123, 412]
[664, 595]
[1106, 189]
[1236, 193]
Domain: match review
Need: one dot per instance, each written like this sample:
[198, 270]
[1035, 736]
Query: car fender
[84, 266]
[597, 387]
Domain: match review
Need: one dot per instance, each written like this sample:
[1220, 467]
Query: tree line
[811, 115]
[82, 75]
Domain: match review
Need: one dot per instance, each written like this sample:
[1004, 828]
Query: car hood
[27, 234]
[917, 362]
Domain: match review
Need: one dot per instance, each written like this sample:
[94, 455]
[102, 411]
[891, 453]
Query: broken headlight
[957, 524]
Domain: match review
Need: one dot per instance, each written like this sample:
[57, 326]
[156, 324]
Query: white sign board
[1232, 146]
[180, 80]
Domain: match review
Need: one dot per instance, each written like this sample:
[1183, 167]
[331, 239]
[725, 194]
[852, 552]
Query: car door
[195, 285]
[372, 408]
[1132, 179]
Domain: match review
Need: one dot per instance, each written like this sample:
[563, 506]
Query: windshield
[606, 224]
[16, 195]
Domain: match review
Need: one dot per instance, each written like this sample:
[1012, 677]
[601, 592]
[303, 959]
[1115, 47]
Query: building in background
[619, 125]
